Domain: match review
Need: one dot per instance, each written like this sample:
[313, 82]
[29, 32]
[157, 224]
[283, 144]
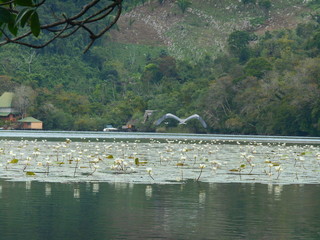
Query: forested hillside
[247, 67]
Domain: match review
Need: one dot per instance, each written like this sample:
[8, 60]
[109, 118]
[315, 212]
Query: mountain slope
[205, 26]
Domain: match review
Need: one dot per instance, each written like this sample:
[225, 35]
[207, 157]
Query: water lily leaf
[30, 173]
[267, 161]
[142, 163]
[242, 165]
[136, 161]
[234, 170]
[275, 164]
[180, 164]
[110, 156]
[14, 160]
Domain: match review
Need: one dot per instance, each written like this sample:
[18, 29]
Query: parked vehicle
[110, 128]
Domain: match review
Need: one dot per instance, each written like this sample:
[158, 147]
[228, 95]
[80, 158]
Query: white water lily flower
[202, 166]
[96, 166]
[149, 170]
[26, 162]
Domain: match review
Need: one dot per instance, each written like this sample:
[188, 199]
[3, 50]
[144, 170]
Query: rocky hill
[205, 25]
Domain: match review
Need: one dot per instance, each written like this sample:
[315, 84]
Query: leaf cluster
[19, 19]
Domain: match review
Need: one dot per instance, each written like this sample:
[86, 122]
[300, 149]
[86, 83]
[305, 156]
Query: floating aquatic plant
[201, 166]
[149, 171]
[278, 170]
[172, 159]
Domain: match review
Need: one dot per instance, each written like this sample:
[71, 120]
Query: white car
[110, 128]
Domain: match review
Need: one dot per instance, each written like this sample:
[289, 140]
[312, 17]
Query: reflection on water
[95, 187]
[76, 193]
[148, 192]
[48, 189]
[28, 185]
[138, 211]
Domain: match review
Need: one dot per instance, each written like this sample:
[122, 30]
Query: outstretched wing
[196, 116]
[168, 115]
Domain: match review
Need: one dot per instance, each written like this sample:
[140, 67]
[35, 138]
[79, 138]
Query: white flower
[278, 168]
[149, 170]
[202, 166]
[96, 166]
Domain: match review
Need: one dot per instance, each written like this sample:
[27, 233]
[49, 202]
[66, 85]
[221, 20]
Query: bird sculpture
[182, 121]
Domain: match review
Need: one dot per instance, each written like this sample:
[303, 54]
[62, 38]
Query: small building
[130, 126]
[7, 111]
[147, 115]
[30, 123]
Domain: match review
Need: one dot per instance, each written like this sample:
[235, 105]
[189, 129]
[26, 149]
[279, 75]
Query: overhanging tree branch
[17, 15]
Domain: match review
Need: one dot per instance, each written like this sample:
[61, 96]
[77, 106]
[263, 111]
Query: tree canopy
[263, 84]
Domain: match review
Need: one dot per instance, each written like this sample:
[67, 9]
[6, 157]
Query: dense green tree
[249, 1]
[183, 5]
[238, 42]
[257, 67]
[265, 5]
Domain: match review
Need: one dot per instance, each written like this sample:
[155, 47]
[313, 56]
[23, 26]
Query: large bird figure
[182, 121]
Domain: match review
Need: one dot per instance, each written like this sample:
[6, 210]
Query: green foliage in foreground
[274, 89]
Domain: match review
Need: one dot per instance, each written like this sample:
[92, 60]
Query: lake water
[110, 136]
[35, 210]
[51, 188]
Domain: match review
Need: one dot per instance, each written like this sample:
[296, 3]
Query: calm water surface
[34, 210]
[110, 136]
[193, 210]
